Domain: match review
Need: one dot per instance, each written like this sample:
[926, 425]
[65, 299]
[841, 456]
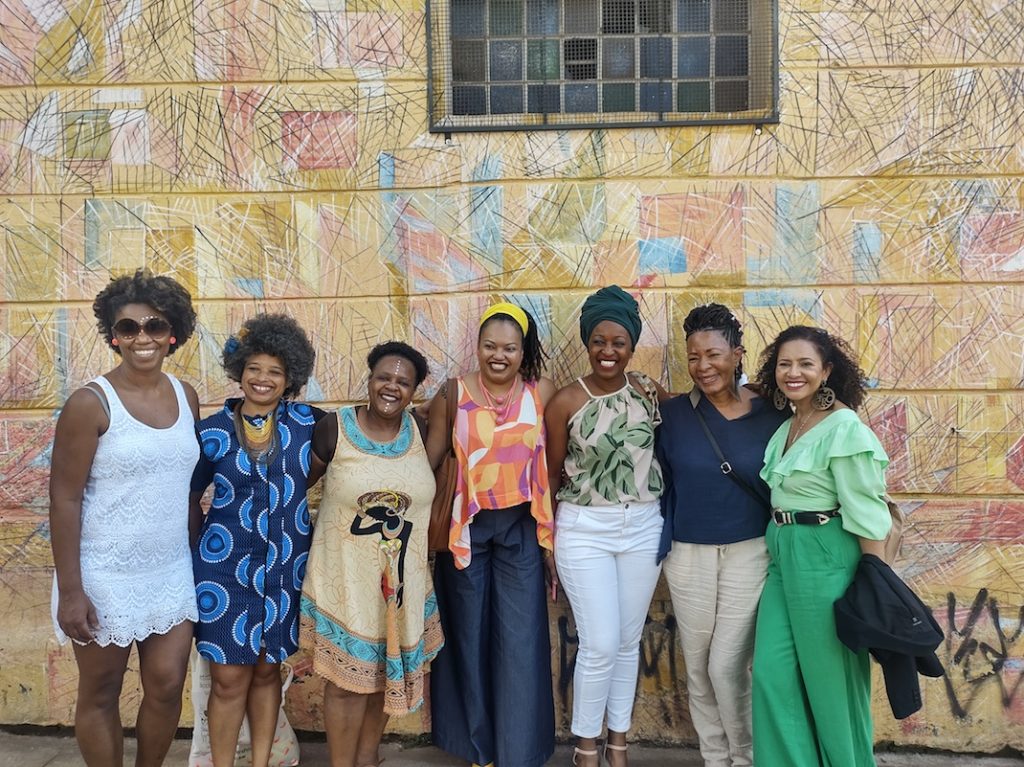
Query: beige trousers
[715, 590]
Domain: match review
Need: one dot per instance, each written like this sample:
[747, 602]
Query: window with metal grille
[501, 64]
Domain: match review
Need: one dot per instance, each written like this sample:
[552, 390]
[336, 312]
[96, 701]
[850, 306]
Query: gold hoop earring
[780, 400]
[824, 398]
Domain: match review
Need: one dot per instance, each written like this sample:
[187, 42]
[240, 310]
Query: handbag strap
[451, 394]
[724, 464]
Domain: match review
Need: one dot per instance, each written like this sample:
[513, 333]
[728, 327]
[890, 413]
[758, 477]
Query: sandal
[614, 747]
[576, 751]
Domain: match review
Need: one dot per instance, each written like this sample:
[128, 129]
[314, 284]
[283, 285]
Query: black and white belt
[781, 517]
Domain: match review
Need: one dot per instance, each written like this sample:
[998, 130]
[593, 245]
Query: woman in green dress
[826, 471]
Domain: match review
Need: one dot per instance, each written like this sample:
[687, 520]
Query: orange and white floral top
[501, 465]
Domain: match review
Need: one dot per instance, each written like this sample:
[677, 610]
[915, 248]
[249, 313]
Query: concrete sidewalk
[50, 750]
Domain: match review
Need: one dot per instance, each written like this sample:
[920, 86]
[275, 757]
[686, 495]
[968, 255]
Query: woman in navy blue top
[713, 538]
[251, 555]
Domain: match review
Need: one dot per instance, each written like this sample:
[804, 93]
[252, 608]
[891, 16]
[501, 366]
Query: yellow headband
[511, 310]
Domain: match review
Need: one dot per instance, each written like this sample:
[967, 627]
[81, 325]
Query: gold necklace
[794, 434]
[255, 434]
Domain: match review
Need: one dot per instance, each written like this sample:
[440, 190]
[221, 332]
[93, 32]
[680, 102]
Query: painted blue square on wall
[662, 255]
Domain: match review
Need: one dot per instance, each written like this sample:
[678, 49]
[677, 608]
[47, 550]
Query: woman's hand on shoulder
[641, 382]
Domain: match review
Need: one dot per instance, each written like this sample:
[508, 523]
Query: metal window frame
[448, 124]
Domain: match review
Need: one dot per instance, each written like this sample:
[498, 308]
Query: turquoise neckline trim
[396, 447]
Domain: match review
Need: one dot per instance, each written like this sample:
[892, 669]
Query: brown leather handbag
[446, 477]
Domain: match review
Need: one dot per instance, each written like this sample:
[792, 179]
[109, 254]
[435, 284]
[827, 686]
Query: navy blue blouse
[700, 503]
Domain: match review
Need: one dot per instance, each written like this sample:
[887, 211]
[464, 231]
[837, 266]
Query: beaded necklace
[500, 406]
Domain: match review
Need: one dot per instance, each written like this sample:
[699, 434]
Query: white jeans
[715, 591]
[607, 564]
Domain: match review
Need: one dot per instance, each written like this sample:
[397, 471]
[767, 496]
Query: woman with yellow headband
[491, 685]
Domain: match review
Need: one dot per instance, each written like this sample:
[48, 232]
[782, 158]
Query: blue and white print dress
[252, 552]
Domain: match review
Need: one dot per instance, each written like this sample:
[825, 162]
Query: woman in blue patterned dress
[251, 555]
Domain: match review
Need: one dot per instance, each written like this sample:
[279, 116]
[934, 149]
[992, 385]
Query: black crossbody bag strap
[724, 464]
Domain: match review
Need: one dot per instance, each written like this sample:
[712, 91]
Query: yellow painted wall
[274, 156]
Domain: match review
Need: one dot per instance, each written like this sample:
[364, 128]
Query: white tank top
[135, 557]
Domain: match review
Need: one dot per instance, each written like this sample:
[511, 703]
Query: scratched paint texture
[274, 156]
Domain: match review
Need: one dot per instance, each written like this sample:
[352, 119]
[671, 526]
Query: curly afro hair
[399, 349]
[278, 335]
[846, 378]
[164, 294]
[720, 318]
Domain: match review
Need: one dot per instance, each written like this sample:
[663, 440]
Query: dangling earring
[114, 342]
[824, 398]
[780, 400]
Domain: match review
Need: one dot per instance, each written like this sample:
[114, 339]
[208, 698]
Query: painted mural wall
[274, 156]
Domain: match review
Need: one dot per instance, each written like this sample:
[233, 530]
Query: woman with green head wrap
[607, 484]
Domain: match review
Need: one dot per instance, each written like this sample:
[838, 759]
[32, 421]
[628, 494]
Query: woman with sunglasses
[251, 557]
[123, 454]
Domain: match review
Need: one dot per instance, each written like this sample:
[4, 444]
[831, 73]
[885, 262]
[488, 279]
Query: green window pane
[542, 60]
[694, 97]
[506, 17]
[468, 61]
[619, 97]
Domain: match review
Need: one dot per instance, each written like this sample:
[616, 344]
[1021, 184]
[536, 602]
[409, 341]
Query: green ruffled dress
[812, 696]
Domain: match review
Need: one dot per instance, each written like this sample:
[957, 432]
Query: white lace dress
[135, 558]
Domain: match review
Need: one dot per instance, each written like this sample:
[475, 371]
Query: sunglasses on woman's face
[156, 328]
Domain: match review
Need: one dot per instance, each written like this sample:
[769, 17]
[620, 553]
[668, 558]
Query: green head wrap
[610, 303]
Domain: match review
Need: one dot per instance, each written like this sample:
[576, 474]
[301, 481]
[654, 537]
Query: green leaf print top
[610, 456]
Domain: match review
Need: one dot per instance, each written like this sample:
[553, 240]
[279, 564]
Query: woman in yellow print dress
[368, 611]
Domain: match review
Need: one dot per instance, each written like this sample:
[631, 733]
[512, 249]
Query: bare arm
[546, 389]
[325, 442]
[195, 518]
[193, 400]
[556, 424]
[79, 427]
[869, 546]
